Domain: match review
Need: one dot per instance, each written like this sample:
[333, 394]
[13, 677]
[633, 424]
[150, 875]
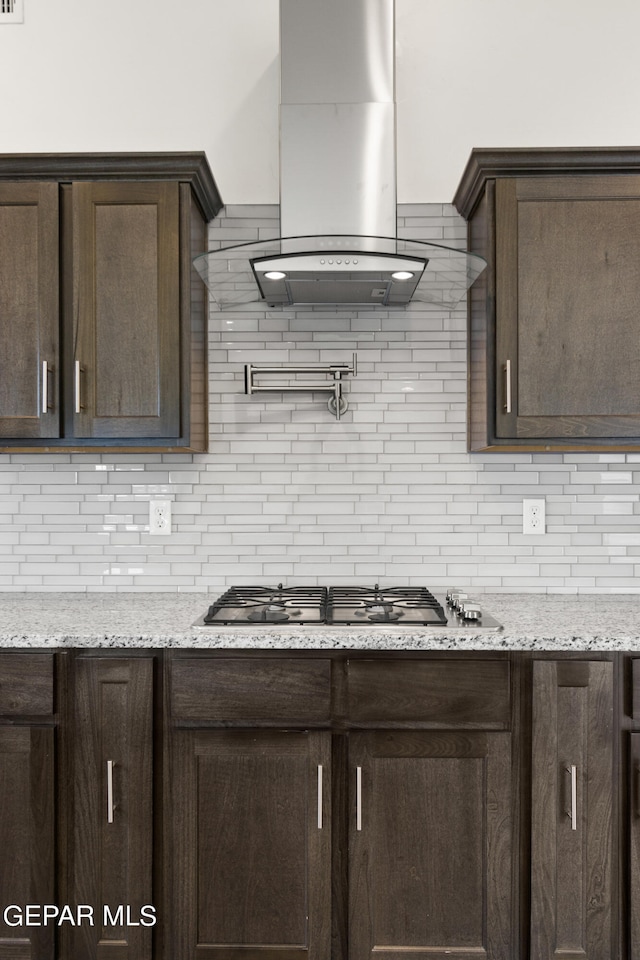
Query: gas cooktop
[299, 606]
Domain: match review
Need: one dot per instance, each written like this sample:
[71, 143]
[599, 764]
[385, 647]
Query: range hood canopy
[338, 270]
[337, 178]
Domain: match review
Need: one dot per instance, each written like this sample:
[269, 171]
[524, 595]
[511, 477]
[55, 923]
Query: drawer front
[454, 693]
[257, 689]
[635, 688]
[26, 684]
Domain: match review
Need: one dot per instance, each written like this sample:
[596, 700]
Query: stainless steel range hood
[338, 177]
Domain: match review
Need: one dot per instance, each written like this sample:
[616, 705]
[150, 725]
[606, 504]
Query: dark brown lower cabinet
[27, 850]
[430, 849]
[112, 830]
[321, 808]
[572, 811]
[634, 846]
[251, 864]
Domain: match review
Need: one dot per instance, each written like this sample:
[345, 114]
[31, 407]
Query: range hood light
[401, 275]
[275, 275]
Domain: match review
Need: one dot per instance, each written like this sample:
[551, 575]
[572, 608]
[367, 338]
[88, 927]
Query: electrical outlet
[160, 517]
[533, 516]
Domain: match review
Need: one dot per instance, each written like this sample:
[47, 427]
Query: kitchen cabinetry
[631, 752]
[29, 306]
[427, 811]
[431, 838]
[251, 848]
[552, 322]
[320, 805]
[112, 822]
[103, 329]
[572, 810]
[27, 801]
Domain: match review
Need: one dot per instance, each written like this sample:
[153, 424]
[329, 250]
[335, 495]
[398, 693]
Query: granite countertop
[531, 621]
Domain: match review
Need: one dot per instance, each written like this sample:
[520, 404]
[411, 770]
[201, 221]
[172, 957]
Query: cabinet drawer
[26, 684]
[635, 688]
[251, 689]
[455, 693]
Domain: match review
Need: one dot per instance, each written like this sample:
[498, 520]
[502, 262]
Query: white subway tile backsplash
[287, 492]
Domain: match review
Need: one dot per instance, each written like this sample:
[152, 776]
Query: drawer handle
[507, 386]
[319, 796]
[572, 812]
[358, 798]
[110, 803]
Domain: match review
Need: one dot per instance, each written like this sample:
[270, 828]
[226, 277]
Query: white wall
[203, 74]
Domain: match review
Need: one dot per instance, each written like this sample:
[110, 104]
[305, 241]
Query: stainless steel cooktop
[348, 606]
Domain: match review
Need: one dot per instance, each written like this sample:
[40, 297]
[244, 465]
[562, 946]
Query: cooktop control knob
[470, 610]
[457, 598]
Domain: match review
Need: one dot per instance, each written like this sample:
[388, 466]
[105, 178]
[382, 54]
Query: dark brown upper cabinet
[29, 310]
[102, 318]
[553, 339]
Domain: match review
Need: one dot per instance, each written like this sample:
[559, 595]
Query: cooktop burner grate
[405, 605]
[269, 605]
[322, 605]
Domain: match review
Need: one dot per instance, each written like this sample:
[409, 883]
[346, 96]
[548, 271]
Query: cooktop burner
[279, 604]
[398, 606]
[413, 605]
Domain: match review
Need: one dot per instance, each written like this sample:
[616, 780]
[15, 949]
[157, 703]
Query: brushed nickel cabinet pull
[507, 386]
[636, 799]
[358, 798]
[45, 386]
[76, 386]
[319, 796]
[110, 804]
[572, 812]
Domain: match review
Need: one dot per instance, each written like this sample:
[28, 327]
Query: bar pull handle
[572, 812]
[45, 386]
[110, 803]
[319, 796]
[358, 798]
[76, 387]
[507, 386]
[636, 790]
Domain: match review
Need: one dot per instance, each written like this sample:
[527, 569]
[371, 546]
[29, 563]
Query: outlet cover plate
[533, 517]
[160, 517]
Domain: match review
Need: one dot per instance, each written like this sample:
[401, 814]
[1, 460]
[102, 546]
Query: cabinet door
[568, 285]
[431, 868]
[112, 815]
[572, 794]
[251, 855]
[125, 351]
[634, 835]
[26, 839]
[29, 310]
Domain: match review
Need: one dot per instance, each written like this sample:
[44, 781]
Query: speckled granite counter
[531, 621]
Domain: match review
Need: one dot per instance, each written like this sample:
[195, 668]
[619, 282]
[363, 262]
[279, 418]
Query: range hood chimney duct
[338, 177]
[337, 118]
